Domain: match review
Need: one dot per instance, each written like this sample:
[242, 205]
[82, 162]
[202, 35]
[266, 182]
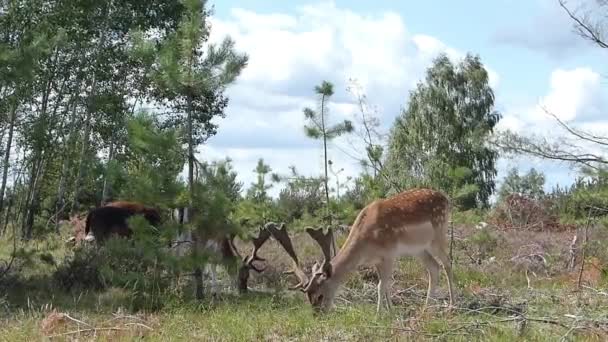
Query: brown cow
[112, 219]
[151, 214]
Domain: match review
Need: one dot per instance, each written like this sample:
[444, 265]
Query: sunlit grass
[271, 313]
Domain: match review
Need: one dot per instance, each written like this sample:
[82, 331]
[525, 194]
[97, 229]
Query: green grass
[488, 294]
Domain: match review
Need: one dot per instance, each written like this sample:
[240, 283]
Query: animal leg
[447, 268]
[432, 267]
[385, 273]
[212, 270]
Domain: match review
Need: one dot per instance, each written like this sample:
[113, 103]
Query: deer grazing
[412, 223]
[222, 246]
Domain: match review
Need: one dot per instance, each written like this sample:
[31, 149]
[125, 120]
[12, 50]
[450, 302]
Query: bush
[79, 271]
[141, 265]
[484, 243]
[520, 212]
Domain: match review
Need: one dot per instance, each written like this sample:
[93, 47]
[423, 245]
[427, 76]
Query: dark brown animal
[102, 222]
[150, 214]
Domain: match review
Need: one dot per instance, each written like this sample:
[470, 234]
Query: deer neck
[347, 260]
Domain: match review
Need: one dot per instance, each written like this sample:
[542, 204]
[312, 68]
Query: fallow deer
[412, 223]
[221, 245]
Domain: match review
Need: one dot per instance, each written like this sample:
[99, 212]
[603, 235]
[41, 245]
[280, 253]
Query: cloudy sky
[529, 49]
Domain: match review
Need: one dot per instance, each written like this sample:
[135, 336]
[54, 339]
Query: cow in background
[77, 223]
[112, 219]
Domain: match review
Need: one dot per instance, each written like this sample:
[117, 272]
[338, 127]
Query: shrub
[484, 243]
[79, 271]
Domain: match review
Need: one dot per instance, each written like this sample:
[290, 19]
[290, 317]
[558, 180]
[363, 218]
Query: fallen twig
[140, 325]
[79, 331]
[77, 320]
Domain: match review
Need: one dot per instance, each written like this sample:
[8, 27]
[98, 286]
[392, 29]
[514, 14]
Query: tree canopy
[439, 140]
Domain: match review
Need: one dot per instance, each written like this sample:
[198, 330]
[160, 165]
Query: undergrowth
[503, 294]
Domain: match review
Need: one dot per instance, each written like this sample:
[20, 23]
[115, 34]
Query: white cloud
[291, 53]
[289, 56]
[574, 96]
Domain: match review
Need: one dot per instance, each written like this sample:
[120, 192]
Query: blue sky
[527, 46]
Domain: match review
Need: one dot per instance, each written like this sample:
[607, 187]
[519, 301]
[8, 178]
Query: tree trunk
[87, 127]
[106, 183]
[7, 154]
[16, 184]
[325, 180]
[84, 149]
[60, 200]
[26, 228]
[197, 243]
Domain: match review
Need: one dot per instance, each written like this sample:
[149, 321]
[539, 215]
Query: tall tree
[530, 184]
[319, 128]
[191, 80]
[259, 190]
[440, 139]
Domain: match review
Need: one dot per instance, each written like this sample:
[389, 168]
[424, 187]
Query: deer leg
[432, 268]
[198, 279]
[385, 273]
[447, 268]
[212, 270]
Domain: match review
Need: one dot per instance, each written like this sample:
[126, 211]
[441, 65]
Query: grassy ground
[511, 286]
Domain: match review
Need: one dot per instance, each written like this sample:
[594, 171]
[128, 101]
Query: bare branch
[510, 142]
[577, 133]
[584, 28]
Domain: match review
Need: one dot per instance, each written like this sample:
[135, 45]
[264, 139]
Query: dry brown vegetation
[510, 283]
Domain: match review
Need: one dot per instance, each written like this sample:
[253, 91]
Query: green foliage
[319, 128]
[588, 191]
[215, 198]
[80, 271]
[440, 140]
[140, 265]
[529, 185]
[258, 192]
[302, 197]
[258, 208]
[366, 189]
[193, 78]
[469, 218]
[147, 171]
[484, 241]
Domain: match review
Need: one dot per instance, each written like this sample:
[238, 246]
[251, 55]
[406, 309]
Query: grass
[494, 300]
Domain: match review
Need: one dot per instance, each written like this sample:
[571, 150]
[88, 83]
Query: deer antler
[325, 242]
[258, 241]
[280, 234]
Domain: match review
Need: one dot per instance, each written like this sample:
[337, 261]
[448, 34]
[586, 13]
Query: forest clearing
[165, 176]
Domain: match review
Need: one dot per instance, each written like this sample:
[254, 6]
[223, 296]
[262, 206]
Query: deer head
[312, 286]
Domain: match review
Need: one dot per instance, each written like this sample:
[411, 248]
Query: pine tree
[320, 129]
